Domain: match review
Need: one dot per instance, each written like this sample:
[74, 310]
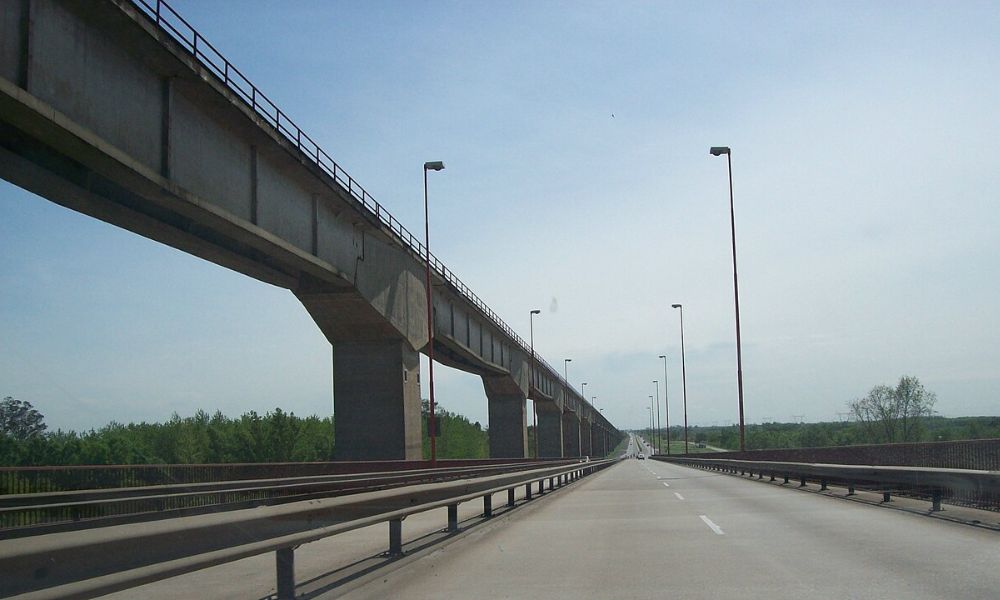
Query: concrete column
[508, 418]
[376, 401]
[550, 433]
[571, 434]
[586, 449]
[599, 442]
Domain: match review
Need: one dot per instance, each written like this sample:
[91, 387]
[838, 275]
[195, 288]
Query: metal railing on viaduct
[121, 110]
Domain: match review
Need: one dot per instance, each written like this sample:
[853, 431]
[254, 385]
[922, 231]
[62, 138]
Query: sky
[865, 139]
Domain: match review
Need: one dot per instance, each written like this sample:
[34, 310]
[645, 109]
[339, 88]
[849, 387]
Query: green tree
[20, 420]
[894, 414]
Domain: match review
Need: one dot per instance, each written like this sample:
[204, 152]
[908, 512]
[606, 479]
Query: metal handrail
[168, 19]
[90, 563]
[33, 514]
[984, 486]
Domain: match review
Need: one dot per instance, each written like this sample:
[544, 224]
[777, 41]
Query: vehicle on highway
[641, 456]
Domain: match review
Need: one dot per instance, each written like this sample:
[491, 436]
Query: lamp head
[662, 356]
[434, 165]
[569, 360]
[536, 311]
[719, 150]
[676, 305]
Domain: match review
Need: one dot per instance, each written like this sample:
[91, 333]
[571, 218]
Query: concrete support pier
[586, 447]
[376, 400]
[571, 434]
[600, 447]
[550, 432]
[508, 418]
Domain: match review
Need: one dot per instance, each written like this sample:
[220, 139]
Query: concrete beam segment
[550, 432]
[376, 401]
[571, 434]
[508, 418]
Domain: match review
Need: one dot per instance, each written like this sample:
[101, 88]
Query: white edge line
[712, 525]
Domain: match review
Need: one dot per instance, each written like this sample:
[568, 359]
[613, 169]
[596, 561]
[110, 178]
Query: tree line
[885, 415]
[276, 436]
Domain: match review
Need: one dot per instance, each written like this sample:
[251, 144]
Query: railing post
[510, 497]
[284, 562]
[772, 476]
[822, 485]
[396, 537]
[452, 518]
[786, 477]
[885, 497]
[850, 490]
[936, 501]
[488, 506]
[527, 491]
[802, 481]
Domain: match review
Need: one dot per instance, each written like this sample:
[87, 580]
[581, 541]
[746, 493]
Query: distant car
[701, 444]
[641, 456]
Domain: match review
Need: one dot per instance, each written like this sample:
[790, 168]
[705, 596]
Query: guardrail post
[802, 481]
[488, 506]
[452, 517]
[527, 491]
[284, 562]
[396, 537]
[936, 501]
[541, 487]
[510, 497]
[850, 490]
[885, 497]
[760, 475]
[772, 476]
[822, 485]
[786, 477]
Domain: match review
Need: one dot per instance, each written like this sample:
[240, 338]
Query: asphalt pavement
[646, 529]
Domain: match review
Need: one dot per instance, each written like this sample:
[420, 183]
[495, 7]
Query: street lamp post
[582, 390]
[684, 378]
[649, 429]
[432, 425]
[666, 401]
[534, 407]
[659, 442]
[718, 151]
[566, 362]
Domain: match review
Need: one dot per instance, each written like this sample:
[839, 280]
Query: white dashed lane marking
[712, 525]
[666, 484]
[679, 497]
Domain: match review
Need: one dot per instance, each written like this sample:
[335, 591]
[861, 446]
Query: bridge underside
[101, 111]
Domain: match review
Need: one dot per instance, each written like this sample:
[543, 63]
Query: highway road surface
[646, 529]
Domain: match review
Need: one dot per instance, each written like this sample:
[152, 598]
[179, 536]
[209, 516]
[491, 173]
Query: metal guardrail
[59, 478]
[980, 488]
[23, 515]
[170, 21]
[93, 562]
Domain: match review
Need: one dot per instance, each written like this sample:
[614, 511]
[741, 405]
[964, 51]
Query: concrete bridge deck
[641, 529]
